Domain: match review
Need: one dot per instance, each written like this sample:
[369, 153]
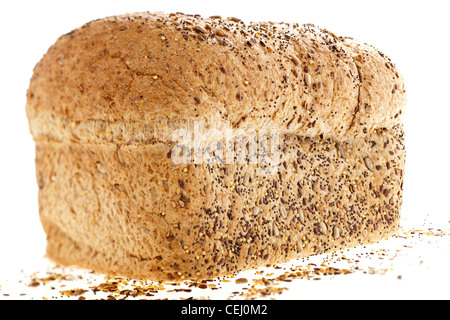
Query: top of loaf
[142, 67]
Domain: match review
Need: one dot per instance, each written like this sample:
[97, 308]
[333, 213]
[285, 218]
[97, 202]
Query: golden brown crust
[105, 99]
[146, 66]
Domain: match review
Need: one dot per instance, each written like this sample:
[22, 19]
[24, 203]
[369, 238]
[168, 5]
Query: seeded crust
[130, 210]
[142, 67]
[104, 100]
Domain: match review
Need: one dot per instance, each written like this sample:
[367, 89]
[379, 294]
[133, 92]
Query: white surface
[413, 33]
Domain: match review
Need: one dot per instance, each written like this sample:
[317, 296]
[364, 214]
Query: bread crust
[103, 104]
[141, 67]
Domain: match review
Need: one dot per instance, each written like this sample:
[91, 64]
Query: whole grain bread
[103, 105]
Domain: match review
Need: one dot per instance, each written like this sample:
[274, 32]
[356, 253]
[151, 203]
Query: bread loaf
[119, 194]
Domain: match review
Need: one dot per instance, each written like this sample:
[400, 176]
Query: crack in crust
[358, 102]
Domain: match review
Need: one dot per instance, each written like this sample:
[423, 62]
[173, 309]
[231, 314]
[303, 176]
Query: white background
[414, 34]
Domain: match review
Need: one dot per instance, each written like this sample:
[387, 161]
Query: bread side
[129, 210]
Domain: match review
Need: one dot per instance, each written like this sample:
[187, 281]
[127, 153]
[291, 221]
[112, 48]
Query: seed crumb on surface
[271, 282]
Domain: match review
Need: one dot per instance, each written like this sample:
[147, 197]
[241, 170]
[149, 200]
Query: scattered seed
[368, 163]
[241, 281]
[341, 150]
[301, 216]
[200, 29]
[336, 232]
[322, 227]
[220, 32]
[308, 79]
[295, 60]
[234, 19]
[275, 230]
